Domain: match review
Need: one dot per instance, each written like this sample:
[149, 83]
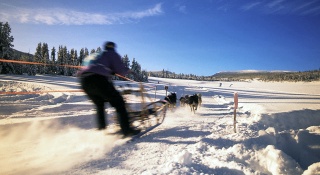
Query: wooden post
[155, 93]
[166, 88]
[142, 96]
[235, 111]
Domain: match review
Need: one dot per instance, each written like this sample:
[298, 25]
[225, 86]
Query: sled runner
[133, 138]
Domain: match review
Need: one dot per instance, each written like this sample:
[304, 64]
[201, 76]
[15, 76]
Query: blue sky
[201, 37]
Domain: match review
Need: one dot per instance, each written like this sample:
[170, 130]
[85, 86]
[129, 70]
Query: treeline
[313, 75]
[59, 61]
[173, 75]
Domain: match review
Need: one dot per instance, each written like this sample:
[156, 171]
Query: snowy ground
[278, 130]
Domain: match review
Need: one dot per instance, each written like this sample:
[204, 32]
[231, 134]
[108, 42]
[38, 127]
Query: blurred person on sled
[95, 79]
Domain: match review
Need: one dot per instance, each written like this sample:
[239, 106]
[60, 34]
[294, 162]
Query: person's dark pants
[100, 90]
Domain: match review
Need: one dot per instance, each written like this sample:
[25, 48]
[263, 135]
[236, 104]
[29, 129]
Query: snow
[277, 131]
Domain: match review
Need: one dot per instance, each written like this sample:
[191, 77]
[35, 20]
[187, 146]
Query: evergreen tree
[45, 58]
[67, 60]
[144, 76]
[38, 58]
[53, 61]
[98, 50]
[74, 61]
[126, 61]
[86, 52]
[81, 56]
[60, 61]
[53, 54]
[42, 56]
[136, 68]
[6, 45]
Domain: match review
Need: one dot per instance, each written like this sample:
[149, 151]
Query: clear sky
[201, 37]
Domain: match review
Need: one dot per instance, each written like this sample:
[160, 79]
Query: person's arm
[118, 66]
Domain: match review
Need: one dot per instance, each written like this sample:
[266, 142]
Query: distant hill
[18, 55]
[267, 76]
[245, 75]
[251, 71]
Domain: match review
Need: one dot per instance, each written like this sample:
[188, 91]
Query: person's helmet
[109, 45]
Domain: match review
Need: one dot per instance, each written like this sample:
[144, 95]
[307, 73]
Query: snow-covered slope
[278, 130]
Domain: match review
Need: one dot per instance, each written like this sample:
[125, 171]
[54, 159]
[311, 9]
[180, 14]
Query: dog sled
[144, 112]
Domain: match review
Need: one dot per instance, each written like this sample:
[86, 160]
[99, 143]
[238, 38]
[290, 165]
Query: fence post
[166, 88]
[155, 93]
[235, 96]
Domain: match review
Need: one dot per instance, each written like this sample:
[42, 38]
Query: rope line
[44, 64]
[39, 92]
[35, 63]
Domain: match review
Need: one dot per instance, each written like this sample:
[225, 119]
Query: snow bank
[313, 169]
[277, 162]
